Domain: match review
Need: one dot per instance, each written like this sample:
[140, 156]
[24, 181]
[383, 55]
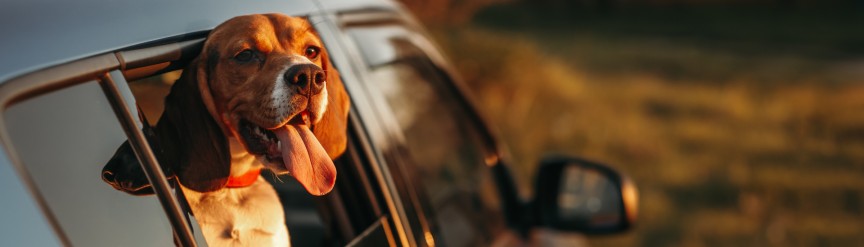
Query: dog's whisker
[276, 177]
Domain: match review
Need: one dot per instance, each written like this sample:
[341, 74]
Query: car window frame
[170, 54]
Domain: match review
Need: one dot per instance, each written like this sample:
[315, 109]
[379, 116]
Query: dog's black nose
[308, 78]
[108, 177]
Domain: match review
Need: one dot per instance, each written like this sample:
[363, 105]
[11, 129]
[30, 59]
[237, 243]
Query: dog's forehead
[263, 31]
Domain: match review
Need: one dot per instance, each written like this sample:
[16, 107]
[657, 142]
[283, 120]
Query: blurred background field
[742, 122]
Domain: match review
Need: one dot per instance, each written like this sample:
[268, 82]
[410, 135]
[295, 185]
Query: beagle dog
[261, 95]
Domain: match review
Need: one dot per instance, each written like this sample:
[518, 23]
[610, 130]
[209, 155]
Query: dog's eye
[312, 52]
[244, 56]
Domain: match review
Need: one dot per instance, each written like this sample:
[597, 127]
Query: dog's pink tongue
[306, 159]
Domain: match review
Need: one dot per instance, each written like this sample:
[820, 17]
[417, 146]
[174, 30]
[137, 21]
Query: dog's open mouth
[295, 147]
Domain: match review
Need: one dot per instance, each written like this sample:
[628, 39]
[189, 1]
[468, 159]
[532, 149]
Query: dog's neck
[242, 162]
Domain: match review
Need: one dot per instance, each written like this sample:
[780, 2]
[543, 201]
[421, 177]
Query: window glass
[446, 152]
[63, 139]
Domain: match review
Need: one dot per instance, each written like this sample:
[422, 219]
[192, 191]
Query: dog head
[263, 88]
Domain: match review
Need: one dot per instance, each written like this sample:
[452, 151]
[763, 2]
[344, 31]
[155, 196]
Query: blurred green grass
[741, 127]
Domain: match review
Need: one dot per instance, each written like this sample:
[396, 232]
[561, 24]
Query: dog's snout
[308, 78]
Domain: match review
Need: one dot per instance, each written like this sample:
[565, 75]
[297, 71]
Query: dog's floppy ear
[190, 139]
[187, 142]
[331, 130]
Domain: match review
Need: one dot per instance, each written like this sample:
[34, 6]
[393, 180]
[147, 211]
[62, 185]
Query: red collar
[243, 180]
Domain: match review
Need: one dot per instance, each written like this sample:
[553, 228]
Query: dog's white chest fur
[248, 216]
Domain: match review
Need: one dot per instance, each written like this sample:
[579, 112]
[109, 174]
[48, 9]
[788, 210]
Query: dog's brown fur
[197, 138]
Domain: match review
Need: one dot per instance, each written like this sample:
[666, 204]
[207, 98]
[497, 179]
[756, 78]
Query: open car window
[302, 216]
[348, 215]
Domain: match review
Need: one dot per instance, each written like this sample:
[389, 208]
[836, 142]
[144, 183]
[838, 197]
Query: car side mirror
[573, 194]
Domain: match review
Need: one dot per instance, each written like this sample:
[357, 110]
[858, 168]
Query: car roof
[40, 33]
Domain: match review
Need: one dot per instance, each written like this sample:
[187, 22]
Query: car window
[63, 139]
[444, 151]
[345, 215]
[301, 215]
